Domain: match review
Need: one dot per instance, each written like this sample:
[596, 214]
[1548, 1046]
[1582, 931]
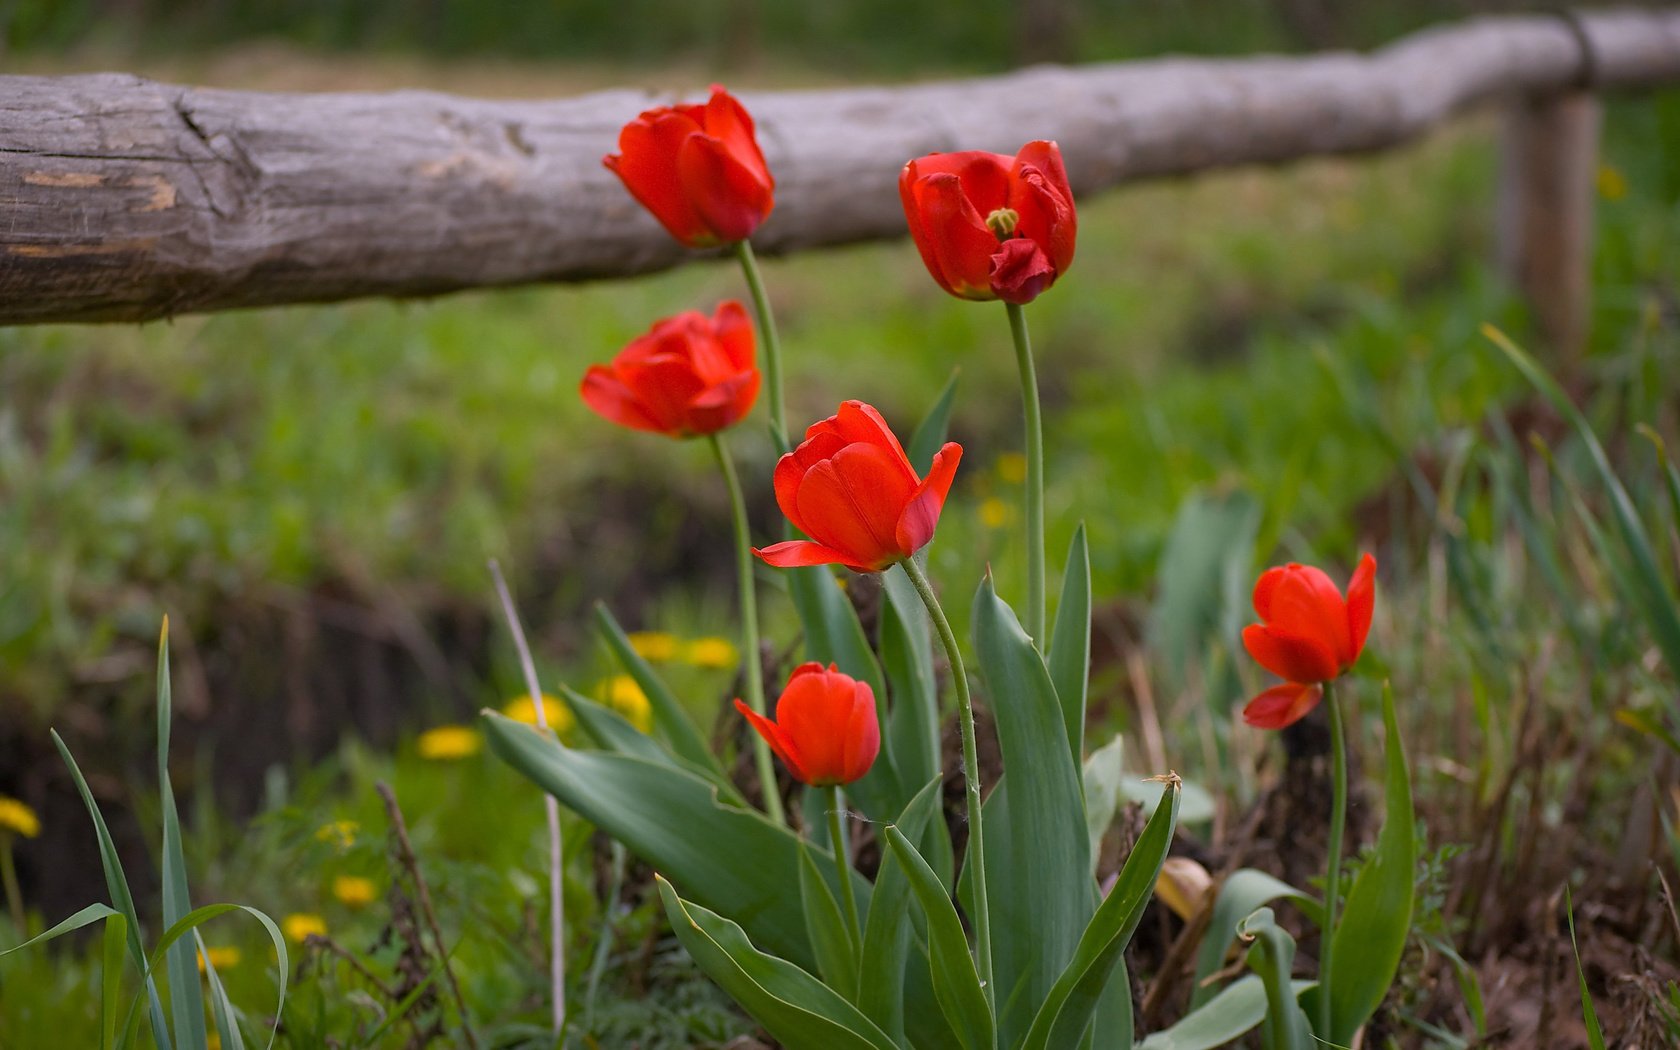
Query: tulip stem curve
[1035, 475]
[971, 773]
[772, 344]
[842, 863]
[749, 629]
[1333, 866]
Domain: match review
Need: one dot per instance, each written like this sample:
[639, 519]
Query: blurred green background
[312, 493]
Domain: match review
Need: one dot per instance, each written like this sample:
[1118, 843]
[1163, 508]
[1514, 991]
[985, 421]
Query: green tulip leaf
[1271, 956]
[674, 820]
[831, 938]
[670, 719]
[1038, 853]
[1066, 1012]
[956, 983]
[613, 732]
[1221, 1020]
[1240, 894]
[799, 1011]
[886, 934]
[1069, 658]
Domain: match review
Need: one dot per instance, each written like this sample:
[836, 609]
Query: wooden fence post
[1546, 192]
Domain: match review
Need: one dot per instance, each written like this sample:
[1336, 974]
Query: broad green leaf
[1595, 1034]
[1101, 775]
[1372, 932]
[1271, 957]
[1662, 612]
[956, 984]
[116, 883]
[227, 1024]
[1069, 658]
[1221, 1020]
[669, 716]
[798, 1010]
[186, 997]
[1066, 1012]
[613, 732]
[913, 722]
[730, 859]
[886, 934]
[1038, 854]
[929, 435]
[1240, 894]
[831, 936]
[833, 635]
[1209, 550]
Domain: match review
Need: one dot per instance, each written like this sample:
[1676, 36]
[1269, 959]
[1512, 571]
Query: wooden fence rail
[123, 199]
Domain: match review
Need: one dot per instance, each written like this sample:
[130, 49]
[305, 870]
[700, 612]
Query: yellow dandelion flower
[339, 833]
[657, 646]
[716, 653]
[994, 513]
[220, 958]
[298, 927]
[626, 697]
[522, 710]
[18, 818]
[1612, 184]
[1012, 467]
[354, 891]
[448, 742]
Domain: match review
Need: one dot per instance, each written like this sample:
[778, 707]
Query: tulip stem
[1035, 475]
[772, 345]
[971, 773]
[1333, 868]
[749, 629]
[842, 863]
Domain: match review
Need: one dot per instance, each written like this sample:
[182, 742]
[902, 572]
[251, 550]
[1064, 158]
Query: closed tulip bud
[698, 169]
[689, 375]
[825, 730]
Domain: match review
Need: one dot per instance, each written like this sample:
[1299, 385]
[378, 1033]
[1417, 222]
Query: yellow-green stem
[971, 773]
[8, 875]
[749, 629]
[1333, 866]
[1035, 475]
[767, 337]
[842, 864]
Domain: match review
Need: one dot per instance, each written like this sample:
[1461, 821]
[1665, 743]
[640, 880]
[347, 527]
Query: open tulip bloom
[1308, 635]
[690, 375]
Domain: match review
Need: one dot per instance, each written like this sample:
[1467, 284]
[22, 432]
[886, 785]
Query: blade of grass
[186, 996]
[1595, 1034]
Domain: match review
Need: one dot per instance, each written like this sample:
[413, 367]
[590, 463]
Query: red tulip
[689, 375]
[698, 169]
[825, 729]
[991, 226]
[1310, 635]
[850, 487]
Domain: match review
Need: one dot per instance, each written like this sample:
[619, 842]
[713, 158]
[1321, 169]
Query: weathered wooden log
[125, 199]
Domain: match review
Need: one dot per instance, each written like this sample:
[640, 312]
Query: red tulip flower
[825, 730]
[1309, 635]
[689, 375]
[698, 169]
[991, 226]
[850, 487]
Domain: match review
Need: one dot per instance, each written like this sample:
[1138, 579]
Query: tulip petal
[791, 554]
[603, 392]
[728, 197]
[1020, 271]
[723, 404]
[1039, 193]
[779, 741]
[647, 164]
[814, 711]
[955, 241]
[726, 120]
[921, 515]
[735, 335]
[1282, 705]
[862, 734]
[1264, 589]
[853, 501]
[1296, 658]
[858, 422]
[1361, 601]
[1306, 603]
[664, 385]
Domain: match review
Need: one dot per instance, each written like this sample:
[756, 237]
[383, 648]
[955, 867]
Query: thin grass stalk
[1034, 448]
